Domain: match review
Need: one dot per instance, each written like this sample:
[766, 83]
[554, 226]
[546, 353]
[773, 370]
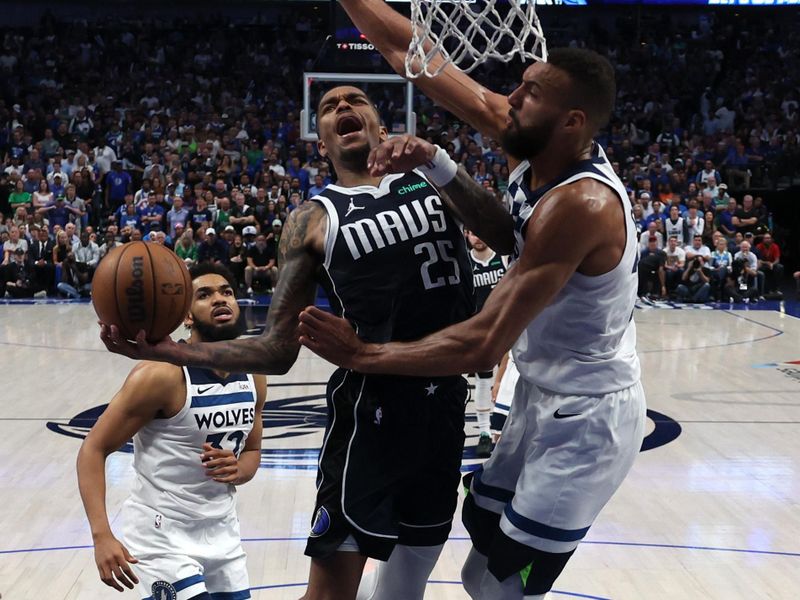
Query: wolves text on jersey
[230, 417]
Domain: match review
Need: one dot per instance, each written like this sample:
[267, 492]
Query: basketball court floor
[709, 511]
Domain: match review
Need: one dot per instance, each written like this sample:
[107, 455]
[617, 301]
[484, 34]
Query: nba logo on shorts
[163, 591]
[322, 522]
[158, 521]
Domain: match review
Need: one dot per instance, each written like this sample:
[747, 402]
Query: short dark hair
[593, 89]
[209, 268]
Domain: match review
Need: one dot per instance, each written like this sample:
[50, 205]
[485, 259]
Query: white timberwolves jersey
[584, 342]
[169, 475]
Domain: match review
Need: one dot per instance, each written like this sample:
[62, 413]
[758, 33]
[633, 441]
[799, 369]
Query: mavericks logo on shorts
[163, 591]
[322, 522]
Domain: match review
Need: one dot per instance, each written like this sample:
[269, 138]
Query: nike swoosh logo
[201, 391]
[559, 415]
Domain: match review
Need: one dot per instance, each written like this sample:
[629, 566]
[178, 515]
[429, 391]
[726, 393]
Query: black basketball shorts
[390, 463]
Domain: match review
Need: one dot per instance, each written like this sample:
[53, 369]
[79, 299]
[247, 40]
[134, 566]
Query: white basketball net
[473, 31]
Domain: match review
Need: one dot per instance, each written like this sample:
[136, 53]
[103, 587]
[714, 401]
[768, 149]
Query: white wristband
[442, 169]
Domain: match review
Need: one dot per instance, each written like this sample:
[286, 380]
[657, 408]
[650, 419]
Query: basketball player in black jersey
[488, 268]
[391, 254]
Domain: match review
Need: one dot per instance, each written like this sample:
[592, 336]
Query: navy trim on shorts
[184, 583]
[541, 530]
[490, 491]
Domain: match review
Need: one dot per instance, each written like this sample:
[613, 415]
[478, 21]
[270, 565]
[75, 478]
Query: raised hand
[399, 155]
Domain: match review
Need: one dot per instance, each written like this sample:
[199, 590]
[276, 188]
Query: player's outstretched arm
[563, 231]
[273, 352]
[145, 392]
[475, 206]
[390, 33]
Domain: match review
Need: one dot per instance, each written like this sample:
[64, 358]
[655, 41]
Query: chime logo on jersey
[305, 416]
[391, 227]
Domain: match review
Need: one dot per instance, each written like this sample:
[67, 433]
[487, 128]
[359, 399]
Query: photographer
[744, 280]
[75, 283]
[19, 276]
[695, 285]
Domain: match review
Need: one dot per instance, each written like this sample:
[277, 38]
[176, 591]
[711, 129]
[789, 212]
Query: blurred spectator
[697, 248]
[237, 256]
[746, 219]
[19, 197]
[261, 264]
[177, 215]
[212, 249]
[674, 225]
[19, 276]
[109, 243]
[186, 249]
[721, 264]
[695, 285]
[745, 272]
[675, 263]
[652, 278]
[41, 257]
[725, 219]
[769, 263]
[87, 255]
[651, 231]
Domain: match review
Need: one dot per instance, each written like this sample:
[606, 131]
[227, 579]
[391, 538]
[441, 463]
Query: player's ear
[323, 151]
[383, 133]
[576, 119]
[188, 321]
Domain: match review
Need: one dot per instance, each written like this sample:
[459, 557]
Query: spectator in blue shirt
[658, 215]
[130, 218]
[152, 215]
[118, 185]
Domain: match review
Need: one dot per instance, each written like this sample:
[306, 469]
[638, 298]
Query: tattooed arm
[273, 352]
[474, 205]
[480, 212]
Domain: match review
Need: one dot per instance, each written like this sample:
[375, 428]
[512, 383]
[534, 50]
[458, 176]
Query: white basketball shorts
[558, 462]
[180, 559]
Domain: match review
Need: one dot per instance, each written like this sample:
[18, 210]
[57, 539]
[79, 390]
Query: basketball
[142, 286]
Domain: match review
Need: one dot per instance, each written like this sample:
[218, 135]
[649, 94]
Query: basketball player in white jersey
[196, 435]
[566, 306]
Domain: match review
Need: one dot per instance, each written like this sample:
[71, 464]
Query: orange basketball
[142, 286]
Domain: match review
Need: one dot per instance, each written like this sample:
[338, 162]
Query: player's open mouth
[348, 125]
[222, 314]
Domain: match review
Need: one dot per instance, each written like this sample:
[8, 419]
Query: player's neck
[196, 339]
[483, 255]
[353, 178]
[552, 162]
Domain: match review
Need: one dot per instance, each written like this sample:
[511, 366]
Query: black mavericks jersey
[485, 276]
[396, 263]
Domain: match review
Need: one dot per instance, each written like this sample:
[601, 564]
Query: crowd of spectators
[186, 135]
